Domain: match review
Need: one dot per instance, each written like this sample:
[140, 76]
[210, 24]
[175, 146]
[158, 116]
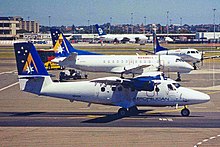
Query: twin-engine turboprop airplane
[143, 90]
[190, 55]
[68, 56]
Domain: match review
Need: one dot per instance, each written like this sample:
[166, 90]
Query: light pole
[49, 20]
[88, 25]
[214, 21]
[132, 23]
[110, 25]
[167, 23]
[145, 24]
[181, 19]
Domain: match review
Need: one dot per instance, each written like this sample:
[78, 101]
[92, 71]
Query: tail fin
[28, 60]
[156, 44]
[62, 47]
[100, 30]
[31, 71]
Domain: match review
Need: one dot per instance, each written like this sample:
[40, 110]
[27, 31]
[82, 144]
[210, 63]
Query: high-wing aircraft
[68, 56]
[143, 90]
[120, 37]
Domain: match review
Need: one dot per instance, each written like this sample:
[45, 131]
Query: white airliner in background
[189, 54]
[68, 56]
[125, 93]
[120, 37]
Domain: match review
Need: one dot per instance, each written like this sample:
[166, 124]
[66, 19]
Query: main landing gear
[130, 111]
[178, 77]
[185, 112]
[194, 66]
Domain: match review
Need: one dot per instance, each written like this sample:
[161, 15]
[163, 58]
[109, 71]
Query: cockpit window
[188, 52]
[197, 52]
[177, 85]
[170, 87]
[179, 60]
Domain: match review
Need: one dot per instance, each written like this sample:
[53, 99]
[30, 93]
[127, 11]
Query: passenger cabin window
[188, 52]
[193, 52]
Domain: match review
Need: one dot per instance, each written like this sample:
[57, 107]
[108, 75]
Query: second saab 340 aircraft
[187, 54]
[125, 93]
[119, 37]
[68, 56]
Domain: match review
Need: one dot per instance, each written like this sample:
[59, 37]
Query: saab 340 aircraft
[125, 93]
[187, 54]
[68, 56]
[120, 37]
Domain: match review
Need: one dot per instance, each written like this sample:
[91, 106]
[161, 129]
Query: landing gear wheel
[133, 110]
[185, 112]
[122, 112]
[194, 66]
[178, 77]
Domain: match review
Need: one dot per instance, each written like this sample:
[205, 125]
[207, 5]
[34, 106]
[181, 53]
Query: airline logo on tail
[58, 46]
[100, 30]
[30, 65]
[61, 48]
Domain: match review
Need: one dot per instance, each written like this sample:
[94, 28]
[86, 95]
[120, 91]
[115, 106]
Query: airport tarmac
[30, 120]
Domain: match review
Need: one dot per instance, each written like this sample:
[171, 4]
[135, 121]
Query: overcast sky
[78, 12]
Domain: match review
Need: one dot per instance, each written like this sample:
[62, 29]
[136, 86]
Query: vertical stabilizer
[31, 71]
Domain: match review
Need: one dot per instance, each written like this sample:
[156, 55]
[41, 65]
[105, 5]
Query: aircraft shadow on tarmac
[97, 117]
[140, 114]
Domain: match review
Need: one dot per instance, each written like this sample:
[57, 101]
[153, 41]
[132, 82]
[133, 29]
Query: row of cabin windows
[169, 86]
[192, 52]
[115, 88]
[126, 61]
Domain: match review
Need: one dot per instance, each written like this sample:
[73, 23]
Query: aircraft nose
[187, 67]
[204, 97]
[194, 97]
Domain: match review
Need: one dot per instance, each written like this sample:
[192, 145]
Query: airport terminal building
[9, 26]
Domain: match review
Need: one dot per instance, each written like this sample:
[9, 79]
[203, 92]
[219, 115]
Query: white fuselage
[121, 63]
[120, 37]
[87, 91]
[188, 55]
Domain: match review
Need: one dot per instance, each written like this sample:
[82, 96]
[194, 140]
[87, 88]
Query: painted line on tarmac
[8, 86]
[206, 140]
[7, 72]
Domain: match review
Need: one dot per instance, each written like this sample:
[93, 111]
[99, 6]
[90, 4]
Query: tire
[185, 112]
[122, 112]
[133, 110]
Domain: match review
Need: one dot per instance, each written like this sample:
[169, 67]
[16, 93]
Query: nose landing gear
[185, 112]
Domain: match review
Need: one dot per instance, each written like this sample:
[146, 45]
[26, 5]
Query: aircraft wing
[146, 51]
[211, 57]
[110, 80]
[128, 69]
